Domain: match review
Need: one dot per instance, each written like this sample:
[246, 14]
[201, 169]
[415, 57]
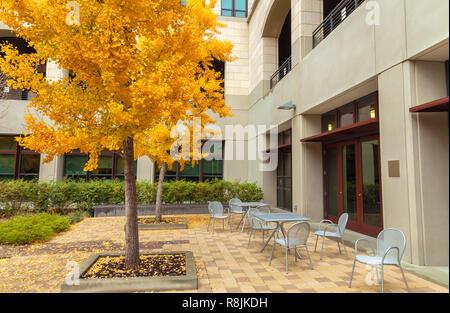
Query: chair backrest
[234, 205]
[298, 233]
[215, 208]
[263, 208]
[342, 222]
[256, 223]
[391, 237]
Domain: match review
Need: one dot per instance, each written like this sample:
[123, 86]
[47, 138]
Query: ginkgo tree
[136, 67]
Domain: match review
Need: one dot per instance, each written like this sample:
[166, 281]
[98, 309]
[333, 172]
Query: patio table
[246, 206]
[280, 219]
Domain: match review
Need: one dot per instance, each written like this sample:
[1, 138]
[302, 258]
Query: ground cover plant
[23, 230]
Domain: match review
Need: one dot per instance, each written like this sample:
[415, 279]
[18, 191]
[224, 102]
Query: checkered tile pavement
[224, 262]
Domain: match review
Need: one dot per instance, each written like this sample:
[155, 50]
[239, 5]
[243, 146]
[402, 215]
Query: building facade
[358, 90]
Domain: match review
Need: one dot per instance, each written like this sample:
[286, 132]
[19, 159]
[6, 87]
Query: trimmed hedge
[68, 196]
[23, 230]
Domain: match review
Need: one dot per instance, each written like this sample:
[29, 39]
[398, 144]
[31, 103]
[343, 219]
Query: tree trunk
[158, 208]
[131, 229]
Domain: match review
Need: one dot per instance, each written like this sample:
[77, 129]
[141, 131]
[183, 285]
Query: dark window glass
[371, 183]
[7, 144]
[28, 161]
[346, 115]
[7, 163]
[104, 169]
[366, 108]
[120, 170]
[74, 165]
[349, 181]
[329, 121]
[206, 169]
[29, 166]
[190, 173]
[285, 137]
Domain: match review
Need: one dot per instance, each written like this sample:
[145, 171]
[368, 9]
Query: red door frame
[359, 225]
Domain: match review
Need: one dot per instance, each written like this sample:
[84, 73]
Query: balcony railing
[284, 69]
[339, 13]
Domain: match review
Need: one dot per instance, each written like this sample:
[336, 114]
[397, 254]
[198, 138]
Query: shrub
[65, 197]
[29, 229]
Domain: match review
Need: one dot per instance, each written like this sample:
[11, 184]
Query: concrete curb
[139, 284]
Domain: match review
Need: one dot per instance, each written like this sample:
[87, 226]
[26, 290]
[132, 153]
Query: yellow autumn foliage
[139, 67]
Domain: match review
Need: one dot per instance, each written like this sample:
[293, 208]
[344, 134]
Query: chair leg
[209, 222]
[317, 239]
[243, 223]
[309, 257]
[351, 276]
[240, 221]
[404, 277]
[382, 279]
[250, 237]
[321, 253]
[214, 221]
[223, 224]
[345, 249]
[262, 237]
[273, 248]
[287, 260]
[339, 246]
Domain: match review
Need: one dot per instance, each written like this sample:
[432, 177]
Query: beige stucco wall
[417, 202]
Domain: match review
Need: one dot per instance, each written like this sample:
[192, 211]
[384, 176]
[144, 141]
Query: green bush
[18, 197]
[29, 229]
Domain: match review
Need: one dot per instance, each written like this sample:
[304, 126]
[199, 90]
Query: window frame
[355, 104]
[18, 152]
[233, 9]
[201, 177]
[89, 175]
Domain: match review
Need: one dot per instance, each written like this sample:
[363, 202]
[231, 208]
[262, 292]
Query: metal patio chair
[235, 208]
[331, 230]
[216, 212]
[296, 236]
[257, 224]
[391, 244]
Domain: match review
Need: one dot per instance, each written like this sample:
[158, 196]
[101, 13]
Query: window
[346, 115]
[205, 169]
[363, 109]
[237, 8]
[17, 162]
[24, 48]
[110, 166]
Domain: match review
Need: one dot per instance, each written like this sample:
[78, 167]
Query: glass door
[284, 179]
[353, 184]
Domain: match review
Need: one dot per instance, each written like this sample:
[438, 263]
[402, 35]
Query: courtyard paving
[224, 262]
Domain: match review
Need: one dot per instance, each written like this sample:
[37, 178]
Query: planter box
[138, 284]
[181, 225]
[149, 210]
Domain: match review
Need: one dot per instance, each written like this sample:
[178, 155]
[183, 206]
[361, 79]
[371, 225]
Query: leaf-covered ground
[223, 260]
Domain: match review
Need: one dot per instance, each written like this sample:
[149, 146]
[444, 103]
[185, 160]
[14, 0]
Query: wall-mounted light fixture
[287, 106]
[373, 114]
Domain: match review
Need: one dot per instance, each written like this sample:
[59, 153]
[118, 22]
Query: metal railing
[339, 13]
[284, 69]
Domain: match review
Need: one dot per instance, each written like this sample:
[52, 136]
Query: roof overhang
[354, 129]
[440, 105]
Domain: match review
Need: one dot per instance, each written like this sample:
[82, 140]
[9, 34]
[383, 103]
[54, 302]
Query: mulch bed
[153, 265]
[166, 220]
